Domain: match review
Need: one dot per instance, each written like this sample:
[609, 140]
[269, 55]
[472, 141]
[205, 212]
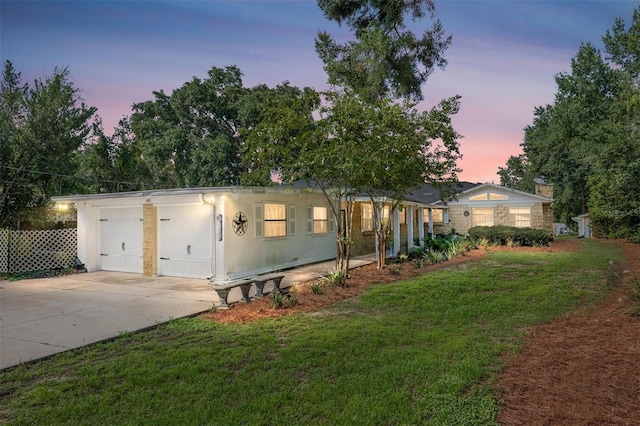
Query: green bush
[335, 277]
[507, 235]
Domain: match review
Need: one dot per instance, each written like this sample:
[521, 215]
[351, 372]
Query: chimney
[544, 190]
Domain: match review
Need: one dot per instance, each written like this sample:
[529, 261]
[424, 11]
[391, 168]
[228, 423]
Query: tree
[587, 142]
[355, 147]
[402, 149]
[113, 163]
[386, 59]
[517, 174]
[623, 45]
[195, 137]
[42, 128]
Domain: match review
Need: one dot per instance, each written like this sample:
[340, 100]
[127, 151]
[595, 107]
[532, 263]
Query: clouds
[504, 55]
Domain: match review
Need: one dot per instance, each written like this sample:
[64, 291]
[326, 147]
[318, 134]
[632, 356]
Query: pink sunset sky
[502, 61]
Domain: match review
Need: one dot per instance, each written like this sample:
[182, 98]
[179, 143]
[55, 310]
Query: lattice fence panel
[4, 250]
[38, 250]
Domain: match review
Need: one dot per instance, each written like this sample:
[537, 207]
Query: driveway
[45, 316]
[41, 317]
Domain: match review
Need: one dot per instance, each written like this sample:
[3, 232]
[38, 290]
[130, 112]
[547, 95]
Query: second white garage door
[185, 241]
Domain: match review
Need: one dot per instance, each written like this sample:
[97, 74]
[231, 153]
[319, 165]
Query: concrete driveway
[45, 316]
[41, 317]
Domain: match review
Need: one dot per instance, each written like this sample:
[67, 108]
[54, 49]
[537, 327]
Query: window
[275, 220]
[494, 196]
[490, 196]
[385, 213]
[318, 220]
[520, 217]
[478, 197]
[402, 214]
[437, 214]
[482, 217]
[366, 217]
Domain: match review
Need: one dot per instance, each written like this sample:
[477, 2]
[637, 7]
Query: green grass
[423, 351]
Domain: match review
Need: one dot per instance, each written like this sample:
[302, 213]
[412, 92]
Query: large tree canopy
[349, 146]
[386, 58]
[587, 143]
[42, 128]
[194, 137]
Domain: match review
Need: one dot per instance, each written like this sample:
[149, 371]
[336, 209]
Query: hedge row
[507, 235]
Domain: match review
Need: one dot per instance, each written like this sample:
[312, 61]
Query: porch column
[396, 232]
[409, 227]
[430, 222]
[421, 226]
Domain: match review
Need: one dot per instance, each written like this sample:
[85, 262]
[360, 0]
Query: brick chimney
[544, 190]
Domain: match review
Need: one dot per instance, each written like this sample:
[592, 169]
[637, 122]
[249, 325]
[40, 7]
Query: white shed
[584, 225]
[219, 233]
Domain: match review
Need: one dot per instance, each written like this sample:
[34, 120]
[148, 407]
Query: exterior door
[121, 239]
[185, 241]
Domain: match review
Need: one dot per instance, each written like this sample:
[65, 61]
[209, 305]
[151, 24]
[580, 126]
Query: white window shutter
[309, 220]
[292, 220]
[331, 220]
[259, 220]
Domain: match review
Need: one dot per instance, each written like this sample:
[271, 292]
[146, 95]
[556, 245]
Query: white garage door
[185, 241]
[121, 239]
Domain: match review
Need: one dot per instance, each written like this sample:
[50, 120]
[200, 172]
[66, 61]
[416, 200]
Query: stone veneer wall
[363, 242]
[149, 240]
[541, 218]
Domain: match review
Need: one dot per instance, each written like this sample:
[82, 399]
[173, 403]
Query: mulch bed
[582, 369]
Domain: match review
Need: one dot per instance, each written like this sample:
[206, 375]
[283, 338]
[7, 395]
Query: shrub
[335, 277]
[394, 269]
[433, 256]
[316, 288]
[282, 301]
[415, 253]
[507, 235]
[418, 262]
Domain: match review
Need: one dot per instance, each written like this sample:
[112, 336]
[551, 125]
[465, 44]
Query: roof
[182, 191]
[502, 188]
[428, 194]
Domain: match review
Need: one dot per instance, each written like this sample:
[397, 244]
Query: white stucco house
[226, 233]
[219, 233]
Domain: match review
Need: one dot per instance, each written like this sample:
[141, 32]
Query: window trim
[369, 218]
[278, 220]
[312, 220]
[514, 222]
[473, 216]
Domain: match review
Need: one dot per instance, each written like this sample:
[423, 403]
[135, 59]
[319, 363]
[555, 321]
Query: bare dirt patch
[582, 369]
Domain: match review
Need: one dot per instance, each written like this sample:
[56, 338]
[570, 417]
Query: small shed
[584, 225]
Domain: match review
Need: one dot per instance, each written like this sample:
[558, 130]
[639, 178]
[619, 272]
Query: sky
[502, 61]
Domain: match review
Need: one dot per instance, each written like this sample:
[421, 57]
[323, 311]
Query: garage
[121, 239]
[185, 248]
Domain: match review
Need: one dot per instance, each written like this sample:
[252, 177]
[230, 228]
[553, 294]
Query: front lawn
[421, 351]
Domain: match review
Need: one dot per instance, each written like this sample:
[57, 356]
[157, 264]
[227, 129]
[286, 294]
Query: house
[219, 233]
[424, 214]
[225, 233]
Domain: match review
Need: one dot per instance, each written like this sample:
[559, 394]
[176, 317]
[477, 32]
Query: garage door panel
[121, 240]
[184, 241]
